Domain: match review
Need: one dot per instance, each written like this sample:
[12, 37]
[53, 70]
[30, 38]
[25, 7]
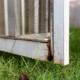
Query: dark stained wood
[2, 25]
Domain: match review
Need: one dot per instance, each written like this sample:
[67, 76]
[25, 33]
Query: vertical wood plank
[17, 9]
[6, 17]
[31, 16]
[47, 16]
[36, 16]
[26, 16]
[23, 16]
[12, 20]
[50, 14]
[2, 24]
[60, 31]
[66, 32]
[42, 14]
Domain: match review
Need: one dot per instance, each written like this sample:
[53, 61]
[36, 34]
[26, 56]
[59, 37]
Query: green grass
[11, 66]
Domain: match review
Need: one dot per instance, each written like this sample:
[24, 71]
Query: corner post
[60, 31]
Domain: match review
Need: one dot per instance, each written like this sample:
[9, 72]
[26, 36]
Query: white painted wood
[38, 50]
[60, 31]
[6, 16]
[66, 32]
[35, 50]
[23, 16]
[36, 16]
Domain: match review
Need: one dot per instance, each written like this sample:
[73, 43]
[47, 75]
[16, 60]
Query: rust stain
[50, 56]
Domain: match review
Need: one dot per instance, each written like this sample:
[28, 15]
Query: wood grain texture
[2, 24]
[29, 16]
[36, 16]
[42, 14]
[17, 9]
